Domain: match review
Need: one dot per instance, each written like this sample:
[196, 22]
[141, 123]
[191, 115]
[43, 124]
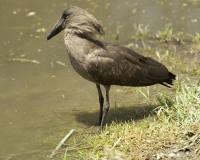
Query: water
[40, 103]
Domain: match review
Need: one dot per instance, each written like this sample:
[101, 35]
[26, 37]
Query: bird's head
[78, 21]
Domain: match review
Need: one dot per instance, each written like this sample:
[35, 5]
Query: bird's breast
[80, 64]
[80, 56]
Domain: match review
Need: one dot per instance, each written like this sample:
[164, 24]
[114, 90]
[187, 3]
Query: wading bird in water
[105, 63]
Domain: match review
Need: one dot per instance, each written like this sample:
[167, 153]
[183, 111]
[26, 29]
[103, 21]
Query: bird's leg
[106, 108]
[101, 100]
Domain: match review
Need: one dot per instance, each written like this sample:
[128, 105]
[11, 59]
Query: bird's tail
[170, 80]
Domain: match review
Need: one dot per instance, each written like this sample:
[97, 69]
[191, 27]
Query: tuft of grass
[183, 108]
[141, 32]
[166, 34]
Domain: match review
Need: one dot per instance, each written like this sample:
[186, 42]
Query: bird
[105, 63]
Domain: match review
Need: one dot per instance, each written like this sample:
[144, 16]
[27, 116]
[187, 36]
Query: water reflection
[41, 102]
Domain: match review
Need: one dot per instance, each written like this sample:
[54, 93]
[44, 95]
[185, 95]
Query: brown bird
[105, 63]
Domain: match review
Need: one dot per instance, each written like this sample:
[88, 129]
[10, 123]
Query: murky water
[41, 101]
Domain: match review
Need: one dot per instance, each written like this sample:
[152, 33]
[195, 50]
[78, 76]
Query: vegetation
[141, 32]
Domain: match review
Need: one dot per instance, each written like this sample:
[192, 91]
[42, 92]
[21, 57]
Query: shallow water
[40, 103]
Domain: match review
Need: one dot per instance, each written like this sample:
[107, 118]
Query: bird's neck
[78, 44]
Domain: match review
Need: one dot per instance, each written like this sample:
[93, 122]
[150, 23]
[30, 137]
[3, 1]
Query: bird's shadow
[119, 114]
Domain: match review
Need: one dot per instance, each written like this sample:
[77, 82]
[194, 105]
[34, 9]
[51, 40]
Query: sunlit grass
[182, 109]
[141, 32]
[166, 34]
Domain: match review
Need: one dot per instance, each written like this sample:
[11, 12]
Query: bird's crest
[82, 22]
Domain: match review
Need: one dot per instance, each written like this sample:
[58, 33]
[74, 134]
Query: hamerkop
[105, 63]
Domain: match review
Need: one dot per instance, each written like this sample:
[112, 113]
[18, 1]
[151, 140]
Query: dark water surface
[40, 102]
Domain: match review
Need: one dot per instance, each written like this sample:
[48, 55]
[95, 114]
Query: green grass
[141, 32]
[183, 108]
[167, 35]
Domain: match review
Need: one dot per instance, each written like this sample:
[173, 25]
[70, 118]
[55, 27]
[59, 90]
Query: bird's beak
[57, 28]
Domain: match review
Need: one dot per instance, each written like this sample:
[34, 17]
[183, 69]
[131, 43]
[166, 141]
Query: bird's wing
[118, 65]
